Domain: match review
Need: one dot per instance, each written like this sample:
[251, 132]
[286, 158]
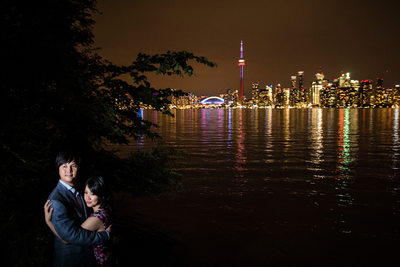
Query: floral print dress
[102, 252]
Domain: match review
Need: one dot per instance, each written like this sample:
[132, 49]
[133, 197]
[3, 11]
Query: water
[303, 183]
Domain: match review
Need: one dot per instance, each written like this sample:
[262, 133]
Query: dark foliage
[56, 91]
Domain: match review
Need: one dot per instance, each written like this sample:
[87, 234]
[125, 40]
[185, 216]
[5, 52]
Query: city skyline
[280, 39]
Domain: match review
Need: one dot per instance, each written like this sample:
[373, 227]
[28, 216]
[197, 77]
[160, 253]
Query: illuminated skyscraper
[255, 97]
[293, 81]
[269, 95]
[294, 92]
[365, 95]
[344, 80]
[241, 65]
[300, 75]
[316, 87]
[396, 95]
[303, 93]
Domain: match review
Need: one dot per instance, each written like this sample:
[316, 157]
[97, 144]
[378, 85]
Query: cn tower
[241, 64]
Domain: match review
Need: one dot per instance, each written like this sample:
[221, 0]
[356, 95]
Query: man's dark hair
[67, 156]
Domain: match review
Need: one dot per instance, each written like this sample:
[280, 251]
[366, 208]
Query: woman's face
[91, 199]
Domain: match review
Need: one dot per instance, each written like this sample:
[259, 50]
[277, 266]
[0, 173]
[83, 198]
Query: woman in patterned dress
[96, 197]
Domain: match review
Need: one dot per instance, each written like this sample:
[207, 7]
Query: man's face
[68, 172]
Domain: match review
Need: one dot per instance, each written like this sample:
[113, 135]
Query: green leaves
[137, 92]
[171, 63]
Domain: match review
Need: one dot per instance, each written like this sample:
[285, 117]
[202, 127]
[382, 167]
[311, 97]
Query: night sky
[280, 38]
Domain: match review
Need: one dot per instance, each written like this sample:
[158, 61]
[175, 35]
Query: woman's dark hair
[66, 157]
[99, 188]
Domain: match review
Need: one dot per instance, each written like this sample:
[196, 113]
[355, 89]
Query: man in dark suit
[73, 246]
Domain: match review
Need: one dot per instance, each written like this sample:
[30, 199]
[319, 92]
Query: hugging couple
[80, 222]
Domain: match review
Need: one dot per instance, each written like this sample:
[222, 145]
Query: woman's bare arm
[93, 224]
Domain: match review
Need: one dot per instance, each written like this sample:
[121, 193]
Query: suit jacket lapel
[81, 212]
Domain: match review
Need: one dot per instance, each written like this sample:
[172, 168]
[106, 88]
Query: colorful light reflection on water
[334, 166]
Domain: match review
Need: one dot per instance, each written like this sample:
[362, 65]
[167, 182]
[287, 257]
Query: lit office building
[317, 87]
[396, 96]
[183, 102]
[383, 97]
[231, 98]
[365, 94]
[269, 93]
[328, 95]
[293, 79]
[286, 97]
[278, 96]
[192, 99]
[355, 88]
[344, 80]
[234, 95]
[255, 92]
[347, 97]
[294, 92]
[228, 97]
[303, 96]
[380, 97]
[263, 98]
[300, 75]
[347, 94]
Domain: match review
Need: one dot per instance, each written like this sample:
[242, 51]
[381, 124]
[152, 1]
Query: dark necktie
[79, 200]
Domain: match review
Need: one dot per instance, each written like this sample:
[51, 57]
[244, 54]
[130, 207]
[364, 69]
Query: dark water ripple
[342, 163]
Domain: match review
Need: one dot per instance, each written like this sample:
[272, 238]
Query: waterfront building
[264, 99]
[259, 96]
[328, 95]
[317, 87]
[294, 95]
[346, 97]
[300, 76]
[255, 97]
[192, 99]
[380, 97]
[269, 95]
[347, 93]
[344, 80]
[293, 81]
[388, 98]
[365, 94]
[355, 85]
[383, 97]
[183, 102]
[396, 96]
[230, 98]
[286, 97]
[303, 95]
[279, 96]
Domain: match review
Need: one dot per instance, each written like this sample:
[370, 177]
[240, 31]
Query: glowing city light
[241, 65]
[213, 100]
